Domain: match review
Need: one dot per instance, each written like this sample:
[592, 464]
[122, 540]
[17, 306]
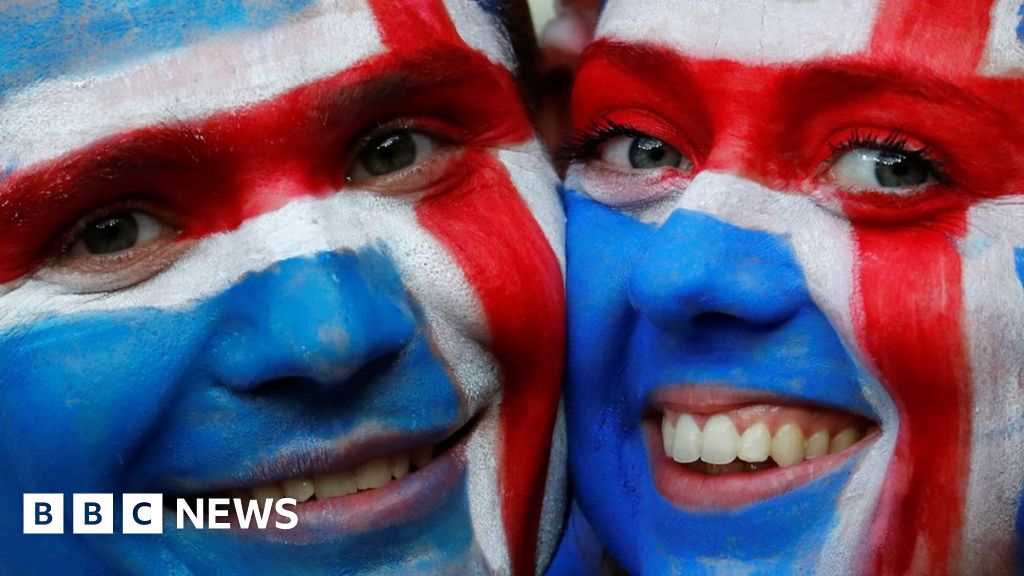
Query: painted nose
[318, 319]
[699, 268]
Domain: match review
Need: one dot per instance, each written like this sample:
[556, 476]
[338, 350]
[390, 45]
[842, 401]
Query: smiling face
[306, 250]
[795, 282]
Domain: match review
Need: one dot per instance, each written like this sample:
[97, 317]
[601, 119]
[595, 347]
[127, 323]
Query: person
[796, 310]
[300, 249]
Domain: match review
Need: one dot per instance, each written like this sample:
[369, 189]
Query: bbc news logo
[144, 513]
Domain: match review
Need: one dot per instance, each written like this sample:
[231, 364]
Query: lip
[694, 490]
[400, 501]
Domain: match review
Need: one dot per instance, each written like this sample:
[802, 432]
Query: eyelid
[882, 139]
[634, 123]
[446, 137]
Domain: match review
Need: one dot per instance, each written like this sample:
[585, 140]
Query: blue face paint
[42, 40]
[147, 400]
[702, 302]
[1020, 27]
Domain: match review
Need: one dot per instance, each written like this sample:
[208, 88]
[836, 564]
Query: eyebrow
[171, 145]
[863, 77]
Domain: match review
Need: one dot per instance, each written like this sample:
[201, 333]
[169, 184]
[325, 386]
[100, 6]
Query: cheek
[70, 378]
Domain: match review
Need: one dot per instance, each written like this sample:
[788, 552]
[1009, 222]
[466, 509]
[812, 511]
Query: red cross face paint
[309, 250]
[795, 286]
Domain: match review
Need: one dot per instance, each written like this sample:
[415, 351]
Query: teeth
[299, 488]
[686, 445]
[720, 440]
[668, 432]
[267, 492]
[334, 485]
[373, 474]
[367, 476]
[400, 465]
[788, 446]
[719, 443]
[756, 443]
[817, 445]
[844, 440]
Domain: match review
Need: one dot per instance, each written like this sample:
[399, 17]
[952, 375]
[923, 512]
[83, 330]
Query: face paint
[260, 251]
[795, 304]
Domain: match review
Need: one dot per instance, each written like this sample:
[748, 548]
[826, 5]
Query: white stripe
[53, 117]
[823, 245]
[481, 31]
[553, 508]
[534, 176]
[484, 497]
[750, 31]
[1004, 50]
[994, 323]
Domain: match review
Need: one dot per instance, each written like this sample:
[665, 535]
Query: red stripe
[517, 278]
[405, 25]
[908, 314]
[946, 35]
[206, 176]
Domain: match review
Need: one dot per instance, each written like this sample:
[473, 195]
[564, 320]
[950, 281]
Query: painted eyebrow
[858, 76]
[179, 144]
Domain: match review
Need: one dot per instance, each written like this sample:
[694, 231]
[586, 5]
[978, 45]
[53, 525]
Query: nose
[320, 319]
[698, 267]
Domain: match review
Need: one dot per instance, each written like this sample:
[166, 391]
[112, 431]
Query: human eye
[621, 166]
[399, 157]
[113, 249]
[889, 165]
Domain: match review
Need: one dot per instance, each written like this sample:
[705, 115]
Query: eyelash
[585, 143]
[895, 141]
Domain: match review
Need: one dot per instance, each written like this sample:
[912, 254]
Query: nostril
[710, 321]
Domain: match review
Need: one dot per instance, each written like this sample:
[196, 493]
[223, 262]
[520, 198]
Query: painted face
[796, 307]
[303, 249]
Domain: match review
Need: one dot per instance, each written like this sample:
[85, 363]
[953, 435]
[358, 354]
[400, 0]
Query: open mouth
[717, 449]
[339, 494]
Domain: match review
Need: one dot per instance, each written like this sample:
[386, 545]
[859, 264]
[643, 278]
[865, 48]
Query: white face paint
[307, 251]
[807, 210]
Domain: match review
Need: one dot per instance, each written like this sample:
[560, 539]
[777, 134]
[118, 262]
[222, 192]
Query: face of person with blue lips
[794, 286]
[306, 250]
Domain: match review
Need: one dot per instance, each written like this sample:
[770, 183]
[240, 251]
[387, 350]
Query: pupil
[646, 152]
[390, 154]
[110, 234]
[896, 170]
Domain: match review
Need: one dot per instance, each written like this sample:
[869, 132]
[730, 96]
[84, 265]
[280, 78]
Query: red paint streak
[774, 125]
[406, 25]
[519, 283]
[908, 314]
[517, 279]
[207, 176]
[947, 35]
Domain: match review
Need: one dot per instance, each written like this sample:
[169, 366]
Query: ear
[562, 42]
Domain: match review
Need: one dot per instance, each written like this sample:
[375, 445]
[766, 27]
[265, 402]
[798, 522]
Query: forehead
[72, 72]
[980, 36]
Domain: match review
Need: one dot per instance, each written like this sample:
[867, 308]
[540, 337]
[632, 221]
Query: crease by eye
[113, 250]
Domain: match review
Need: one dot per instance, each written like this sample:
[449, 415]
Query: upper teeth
[719, 442]
[367, 476]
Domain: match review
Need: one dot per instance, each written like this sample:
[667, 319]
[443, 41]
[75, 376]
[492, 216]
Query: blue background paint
[146, 400]
[40, 40]
[699, 301]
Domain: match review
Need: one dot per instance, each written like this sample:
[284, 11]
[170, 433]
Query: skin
[246, 244]
[766, 258]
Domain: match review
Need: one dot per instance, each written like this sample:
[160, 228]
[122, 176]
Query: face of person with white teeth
[796, 313]
[307, 250]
